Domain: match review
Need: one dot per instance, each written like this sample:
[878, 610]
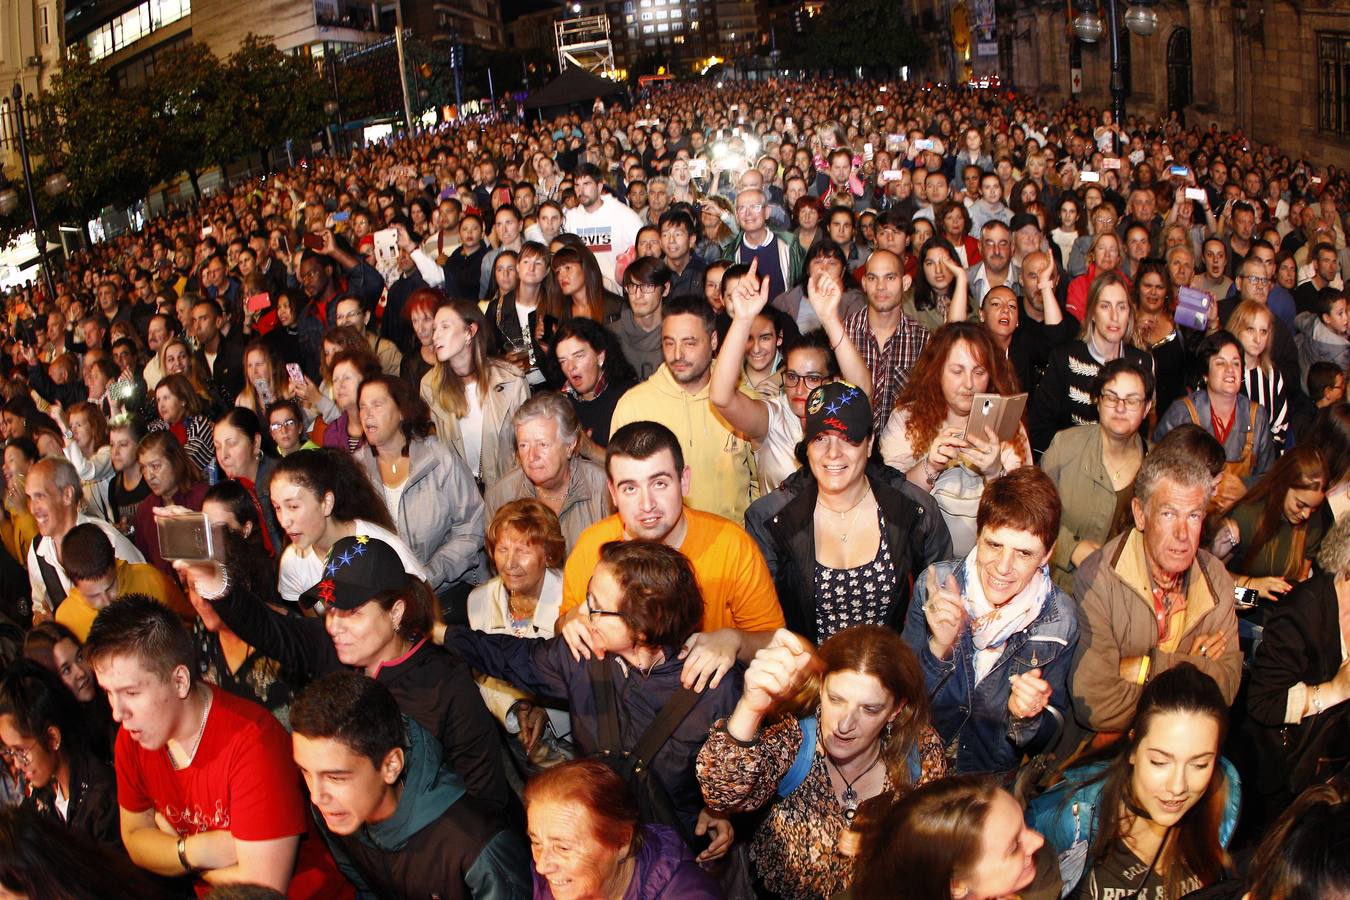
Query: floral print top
[796, 849]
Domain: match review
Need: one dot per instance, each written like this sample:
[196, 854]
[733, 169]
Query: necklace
[850, 796]
[855, 509]
[197, 741]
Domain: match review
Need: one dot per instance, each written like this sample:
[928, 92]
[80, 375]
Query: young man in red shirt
[205, 782]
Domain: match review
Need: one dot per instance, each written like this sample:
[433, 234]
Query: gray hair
[1179, 249]
[63, 475]
[659, 179]
[550, 405]
[1175, 465]
[1334, 555]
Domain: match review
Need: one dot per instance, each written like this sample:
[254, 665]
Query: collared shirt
[889, 364]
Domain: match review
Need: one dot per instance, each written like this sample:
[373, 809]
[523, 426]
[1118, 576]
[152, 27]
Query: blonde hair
[1245, 314]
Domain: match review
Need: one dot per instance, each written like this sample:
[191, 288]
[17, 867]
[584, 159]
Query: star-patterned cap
[840, 407]
[356, 570]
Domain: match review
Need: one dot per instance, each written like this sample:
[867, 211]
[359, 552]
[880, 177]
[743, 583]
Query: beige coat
[1116, 621]
[1074, 463]
[507, 390]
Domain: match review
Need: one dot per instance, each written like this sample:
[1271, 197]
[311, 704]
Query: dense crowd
[786, 490]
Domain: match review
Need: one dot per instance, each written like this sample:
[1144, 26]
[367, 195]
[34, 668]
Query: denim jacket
[973, 719]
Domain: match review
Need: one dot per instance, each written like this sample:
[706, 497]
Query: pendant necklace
[850, 796]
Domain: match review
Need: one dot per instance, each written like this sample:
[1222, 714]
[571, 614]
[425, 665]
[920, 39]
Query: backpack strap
[1190, 408]
[606, 709]
[56, 592]
[663, 726]
[915, 765]
[806, 755]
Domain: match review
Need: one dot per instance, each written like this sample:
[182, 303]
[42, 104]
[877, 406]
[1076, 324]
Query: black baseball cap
[840, 407]
[356, 570]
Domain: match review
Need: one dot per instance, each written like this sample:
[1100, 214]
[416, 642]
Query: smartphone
[1179, 171]
[894, 142]
[923, 144]
[207, 231]
[1195, 194]
[550, 328]
[264, 389]
[698, 168]
[1110, 162]
[1315, 180]
[341, 216]
[1193, 308]
[868, 151]
[313, 241]
[191, 537]
[297, 377]
[1001, 414]
[1089, 177]
[883, 88]
[258, 302]
[1244, 597]
[890, 175]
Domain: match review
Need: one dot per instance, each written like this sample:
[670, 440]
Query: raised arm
[825, 296]
[745, 414]
[959, 309]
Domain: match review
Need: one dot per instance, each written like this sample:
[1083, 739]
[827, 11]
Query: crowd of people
[788, 490]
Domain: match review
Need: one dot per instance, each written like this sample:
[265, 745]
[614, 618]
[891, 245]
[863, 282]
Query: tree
[189, 105]
[274, 96]
[105, 142]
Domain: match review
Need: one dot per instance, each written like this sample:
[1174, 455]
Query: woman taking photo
[642, 605]
[1252, 324]
[349, 370]
[265, 378]
[182, 414]
[1156, 334]
[774, 425]
[427, 488]
[926, 436]
[174, 480]
[239, 451]
[376, 618]
[587, 840]
[1152, 815]
[1218, 406]
[999, 688]
[822, 732]
[1270, 538]
[1093, 466]
[43, 736]
[1063, 399]
[583, 286]
[471, 395]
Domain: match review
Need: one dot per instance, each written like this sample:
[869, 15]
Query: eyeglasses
[592, 611]
[283, 424]
[750, 207]
[1115, 401]
[813, 379]
[21, 755]
[1257, 280]
[646, 289]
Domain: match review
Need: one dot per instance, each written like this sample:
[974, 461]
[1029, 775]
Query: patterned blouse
[857, 596]
[260, 678]
[796, 848]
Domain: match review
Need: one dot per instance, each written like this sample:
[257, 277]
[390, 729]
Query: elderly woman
[174, 480]
[1299, 681]
[869, 736]
[643, 603]
[588, 841]
[1104, 256]
[993, 633]
[425, 485]
[1094, 465]
[551, 469]
[1219, 407]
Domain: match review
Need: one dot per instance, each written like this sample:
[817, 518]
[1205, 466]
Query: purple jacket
[665, 871]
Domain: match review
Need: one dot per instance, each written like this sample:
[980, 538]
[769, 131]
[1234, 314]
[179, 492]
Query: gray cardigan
[440, 513]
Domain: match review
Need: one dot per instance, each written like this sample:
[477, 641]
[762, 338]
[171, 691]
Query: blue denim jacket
[987, 737]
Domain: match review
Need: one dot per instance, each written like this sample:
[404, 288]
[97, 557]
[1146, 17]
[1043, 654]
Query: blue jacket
[989, 739]
[1068, 813]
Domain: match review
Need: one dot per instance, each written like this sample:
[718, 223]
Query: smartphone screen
[297, 377]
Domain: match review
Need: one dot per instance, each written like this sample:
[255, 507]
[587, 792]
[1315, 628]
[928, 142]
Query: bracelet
[182, 854]
[929, 473]
[1317, 699]
[1143, 670]
[224, 587]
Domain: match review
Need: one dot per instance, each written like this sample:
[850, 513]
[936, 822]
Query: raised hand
[944, 613]
[776, 672]
[750, 295]
[824, 294]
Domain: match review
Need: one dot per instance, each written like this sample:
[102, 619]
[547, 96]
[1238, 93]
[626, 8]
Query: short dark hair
[648, 270]
[643, 440]
[677, 218]
[1122, 365]
[37, 700]
[1024, 499]
[690, 305]
[662, 603]
[207, 301]
[1321, 376]
[352, 709]
[87, 553]
[1325, 299]
[137, 625]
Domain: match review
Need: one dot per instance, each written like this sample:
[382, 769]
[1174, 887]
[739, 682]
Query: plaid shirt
[890, 364]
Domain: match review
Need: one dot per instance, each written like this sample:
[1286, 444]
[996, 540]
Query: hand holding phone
[296, 376]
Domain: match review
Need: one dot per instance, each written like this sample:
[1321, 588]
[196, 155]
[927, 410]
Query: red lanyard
[1221, 431]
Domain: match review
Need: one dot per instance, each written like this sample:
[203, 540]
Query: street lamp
[1139, 19]
[55, 184]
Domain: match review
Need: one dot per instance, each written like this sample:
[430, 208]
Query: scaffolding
[584, 42]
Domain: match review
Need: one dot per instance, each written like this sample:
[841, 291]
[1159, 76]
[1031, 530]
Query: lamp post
[55, 184]
[1139, 19]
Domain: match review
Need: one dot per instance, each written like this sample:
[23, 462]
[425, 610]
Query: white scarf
[991, 626]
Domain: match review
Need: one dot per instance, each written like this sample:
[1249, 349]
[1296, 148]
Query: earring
[886, 732]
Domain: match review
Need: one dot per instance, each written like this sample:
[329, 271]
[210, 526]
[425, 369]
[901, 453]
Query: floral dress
[796, 849]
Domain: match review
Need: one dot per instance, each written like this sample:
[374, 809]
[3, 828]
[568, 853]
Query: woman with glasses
[286, 422]
[1094, 466]
[1218, 406]
[774, 424]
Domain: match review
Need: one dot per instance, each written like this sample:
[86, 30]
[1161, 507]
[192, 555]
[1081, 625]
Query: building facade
[31, 41]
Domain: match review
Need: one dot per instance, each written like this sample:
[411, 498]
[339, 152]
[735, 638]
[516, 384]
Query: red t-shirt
[242, 780]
